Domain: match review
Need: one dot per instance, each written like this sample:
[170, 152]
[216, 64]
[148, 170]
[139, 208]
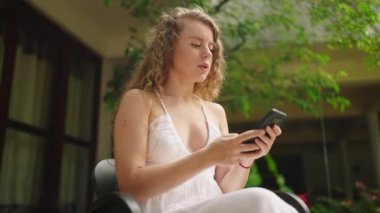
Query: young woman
[173, 151]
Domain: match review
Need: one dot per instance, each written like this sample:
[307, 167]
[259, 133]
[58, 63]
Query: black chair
[109, 200]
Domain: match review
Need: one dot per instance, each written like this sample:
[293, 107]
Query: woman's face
[192, 57]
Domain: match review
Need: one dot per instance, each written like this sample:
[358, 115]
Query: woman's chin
[200, 80]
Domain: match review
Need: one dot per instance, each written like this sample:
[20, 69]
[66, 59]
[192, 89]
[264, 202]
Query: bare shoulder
[215, 108]
[134, 101]
[135, 95]
[216, 112]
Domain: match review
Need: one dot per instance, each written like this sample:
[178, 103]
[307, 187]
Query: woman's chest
[191, 128]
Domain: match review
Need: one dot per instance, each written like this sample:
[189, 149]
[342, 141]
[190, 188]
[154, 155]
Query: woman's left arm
[231, 178]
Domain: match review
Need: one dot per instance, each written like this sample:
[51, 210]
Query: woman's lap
[245, 200]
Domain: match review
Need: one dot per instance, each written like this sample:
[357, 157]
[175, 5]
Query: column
[374, 136]
[347, 179]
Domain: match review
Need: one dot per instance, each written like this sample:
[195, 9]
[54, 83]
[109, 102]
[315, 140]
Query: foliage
[255, 179]
[367, 201]
[353, 24]
[120, 75]
[261, 38]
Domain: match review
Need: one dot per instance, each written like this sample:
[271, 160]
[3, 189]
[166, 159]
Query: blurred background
[63, 63]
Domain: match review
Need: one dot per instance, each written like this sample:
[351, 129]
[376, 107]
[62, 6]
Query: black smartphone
[273, 117]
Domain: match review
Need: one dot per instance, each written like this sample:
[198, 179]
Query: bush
[366, 200]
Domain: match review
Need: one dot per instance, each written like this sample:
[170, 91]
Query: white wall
[105, 115]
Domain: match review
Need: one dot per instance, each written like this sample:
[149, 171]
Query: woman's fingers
[264, 146]
[269, 137]
[261, 144]
[249, 147]
[262, 149]
[234, 148]
[230, 135]
[277, 130]
[270, 132]
[248, 135]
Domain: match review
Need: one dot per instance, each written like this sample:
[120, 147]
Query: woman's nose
[206, 52]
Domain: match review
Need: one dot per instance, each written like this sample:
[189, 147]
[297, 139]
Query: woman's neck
[180, 92]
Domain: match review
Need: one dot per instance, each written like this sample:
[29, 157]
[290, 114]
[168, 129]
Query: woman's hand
[264, 142]
[229, 149]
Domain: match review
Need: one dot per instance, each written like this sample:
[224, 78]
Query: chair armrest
[115, 202]
[294, 201]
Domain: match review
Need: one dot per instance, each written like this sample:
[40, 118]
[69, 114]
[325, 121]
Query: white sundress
[201, 193]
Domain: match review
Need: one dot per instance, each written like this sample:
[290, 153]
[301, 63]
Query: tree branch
[237, 46]
[219, 6]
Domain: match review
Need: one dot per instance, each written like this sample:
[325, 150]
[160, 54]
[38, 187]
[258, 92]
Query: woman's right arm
[130, 144]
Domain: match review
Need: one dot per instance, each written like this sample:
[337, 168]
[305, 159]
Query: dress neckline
[167, 114]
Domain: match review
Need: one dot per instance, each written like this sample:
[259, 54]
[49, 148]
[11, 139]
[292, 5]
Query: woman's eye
[195, 45]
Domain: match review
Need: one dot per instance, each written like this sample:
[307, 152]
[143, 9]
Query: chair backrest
[294, 201]
[109, 199]
[104, 177]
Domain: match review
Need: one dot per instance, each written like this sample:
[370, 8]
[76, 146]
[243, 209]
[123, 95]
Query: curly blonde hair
[152, 72]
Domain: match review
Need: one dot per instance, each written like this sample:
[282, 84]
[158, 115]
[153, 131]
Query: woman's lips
[203, 66]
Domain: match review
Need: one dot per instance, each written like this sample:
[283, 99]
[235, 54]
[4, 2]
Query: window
[48, 123]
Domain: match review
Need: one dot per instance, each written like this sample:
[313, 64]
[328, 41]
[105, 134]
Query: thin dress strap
[162, 102]
[203, 109]
[166, 111]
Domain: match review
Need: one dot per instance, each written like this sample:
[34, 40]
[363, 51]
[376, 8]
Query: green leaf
[254, 178]
[271, 164]
[107, 2]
